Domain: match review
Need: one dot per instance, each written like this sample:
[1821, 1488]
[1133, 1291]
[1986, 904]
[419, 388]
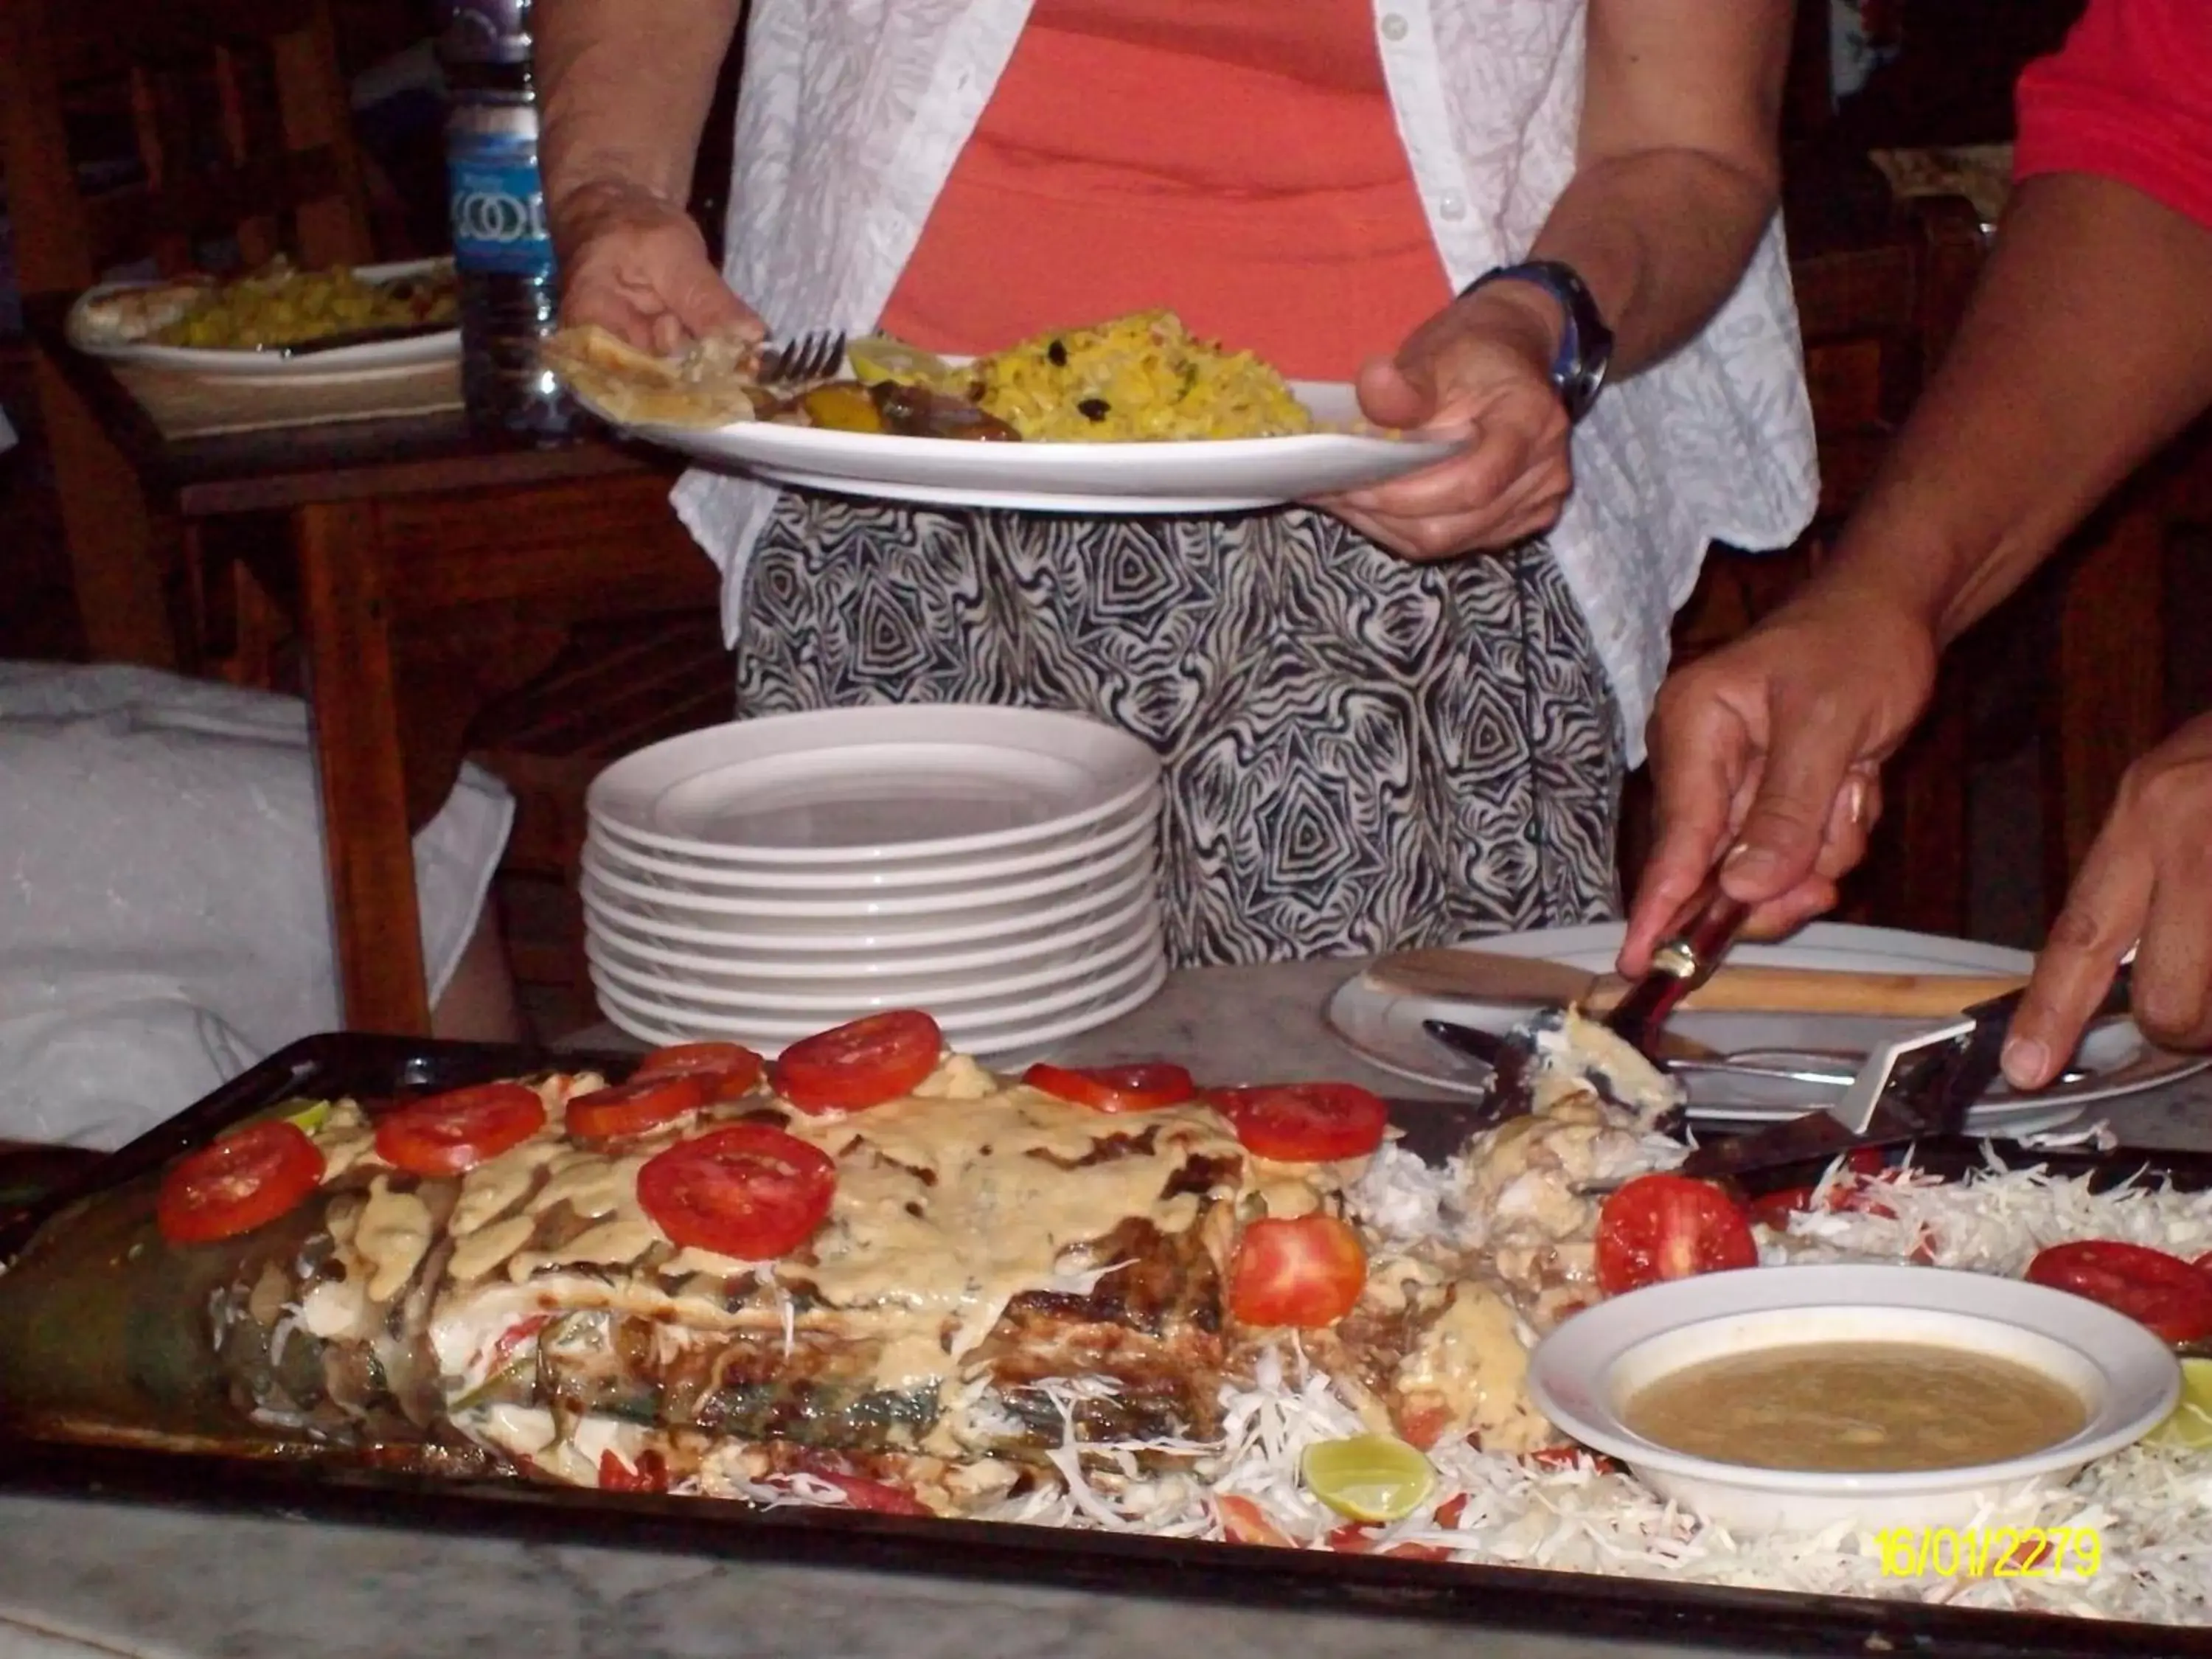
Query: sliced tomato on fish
[862, 1063]
[1146, 1088]
[2173, 1297]
[726, 1069]
[1303, 1122]
[641, 1104]
[243, 1181]
[751, 1191]
[1306, 1273]
[451, 1133]
[1667, 1227]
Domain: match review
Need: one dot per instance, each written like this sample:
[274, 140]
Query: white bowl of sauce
[1789, 1398]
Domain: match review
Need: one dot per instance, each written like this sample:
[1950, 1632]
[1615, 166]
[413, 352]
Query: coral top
[2129, 97]
[1235, 161]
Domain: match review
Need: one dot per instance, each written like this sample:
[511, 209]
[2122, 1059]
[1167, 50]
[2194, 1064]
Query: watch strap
[1578, 366]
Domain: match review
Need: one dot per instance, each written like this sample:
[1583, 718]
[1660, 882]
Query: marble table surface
[80, 1577]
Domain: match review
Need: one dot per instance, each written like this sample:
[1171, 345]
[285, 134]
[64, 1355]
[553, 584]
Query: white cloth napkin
[164, 916]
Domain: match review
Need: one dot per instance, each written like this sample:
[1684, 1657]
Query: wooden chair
[150, 132]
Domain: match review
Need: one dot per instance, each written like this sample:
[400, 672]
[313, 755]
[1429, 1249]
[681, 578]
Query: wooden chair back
[173, 131]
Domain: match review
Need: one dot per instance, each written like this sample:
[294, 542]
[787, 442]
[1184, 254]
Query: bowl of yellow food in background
[1796, 1397]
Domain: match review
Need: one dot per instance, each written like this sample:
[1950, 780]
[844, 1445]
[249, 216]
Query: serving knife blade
[1917, 1087]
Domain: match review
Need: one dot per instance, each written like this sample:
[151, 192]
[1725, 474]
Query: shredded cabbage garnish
[2151, 1507]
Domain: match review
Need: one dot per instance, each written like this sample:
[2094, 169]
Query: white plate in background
[345, 362]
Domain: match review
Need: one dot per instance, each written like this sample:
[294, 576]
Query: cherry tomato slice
[1114, 1088]
[863, 1063]
[1866, 1160]
[642, 1104]
[243, 1181]
[749, 1191]
[447, 1134]
[1306, 1273]
[1303, 1122]
[1668, 1226]
[650, 1474]
[726, 1069]
[2163, 1291]
[1243, 1522]
[1774, 1209]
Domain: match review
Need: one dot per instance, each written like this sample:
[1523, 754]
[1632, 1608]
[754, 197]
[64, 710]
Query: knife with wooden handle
[1734, 987]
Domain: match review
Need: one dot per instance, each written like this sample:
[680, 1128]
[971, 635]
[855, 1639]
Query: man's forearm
[2087, 345]
[625, 87]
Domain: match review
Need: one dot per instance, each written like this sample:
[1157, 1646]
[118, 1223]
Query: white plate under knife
[1382, 1025]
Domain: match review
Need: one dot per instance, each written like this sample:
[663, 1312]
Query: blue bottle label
[498, 205]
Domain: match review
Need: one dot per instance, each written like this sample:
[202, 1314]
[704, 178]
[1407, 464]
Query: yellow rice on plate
[1140, 378]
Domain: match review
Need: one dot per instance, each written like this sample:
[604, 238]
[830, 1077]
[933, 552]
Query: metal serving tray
[1558, 1603]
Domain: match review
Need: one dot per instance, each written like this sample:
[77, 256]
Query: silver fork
[814, 356]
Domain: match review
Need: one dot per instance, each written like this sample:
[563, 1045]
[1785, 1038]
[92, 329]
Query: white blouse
[853, 113]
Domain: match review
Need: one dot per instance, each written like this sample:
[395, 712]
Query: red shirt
[1236, 162]
[2128, 97]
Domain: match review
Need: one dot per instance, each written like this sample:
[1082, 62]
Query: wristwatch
[1585, 346]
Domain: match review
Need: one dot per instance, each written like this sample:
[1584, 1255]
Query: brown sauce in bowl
[1856, 1407]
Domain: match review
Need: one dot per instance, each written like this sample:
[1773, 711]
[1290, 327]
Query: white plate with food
[1134, 416]
[1226, 475]
[1384, 1024]
[174, 323]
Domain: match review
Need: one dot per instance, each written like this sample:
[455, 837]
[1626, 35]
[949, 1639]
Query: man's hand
[1765, 757]
[2147, 881]
[634, 264]
[1480, 367]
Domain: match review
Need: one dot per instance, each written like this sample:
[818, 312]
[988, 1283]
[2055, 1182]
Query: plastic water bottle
[503, 254]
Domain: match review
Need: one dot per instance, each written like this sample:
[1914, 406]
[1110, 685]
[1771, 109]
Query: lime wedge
[1369, 1477]
[311, 1116]
[2189, 1427]
[879, 357]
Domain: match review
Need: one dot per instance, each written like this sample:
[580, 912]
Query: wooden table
[427, 571]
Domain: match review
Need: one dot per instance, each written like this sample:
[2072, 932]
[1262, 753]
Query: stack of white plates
[761, 881]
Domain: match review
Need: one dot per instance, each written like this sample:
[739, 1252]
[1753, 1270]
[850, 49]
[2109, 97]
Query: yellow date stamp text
[1990, 1552]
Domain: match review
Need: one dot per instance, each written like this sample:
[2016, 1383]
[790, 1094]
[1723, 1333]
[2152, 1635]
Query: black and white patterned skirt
[1362, 754]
